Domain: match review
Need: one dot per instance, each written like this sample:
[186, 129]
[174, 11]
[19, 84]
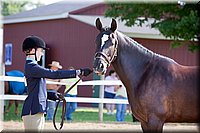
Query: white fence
[69, 99]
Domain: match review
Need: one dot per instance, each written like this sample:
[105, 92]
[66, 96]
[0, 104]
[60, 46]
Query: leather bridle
[104, 57]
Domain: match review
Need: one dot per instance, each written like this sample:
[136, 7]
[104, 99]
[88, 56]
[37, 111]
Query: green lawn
[82, 114]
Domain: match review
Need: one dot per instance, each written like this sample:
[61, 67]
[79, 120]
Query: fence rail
[68, 99]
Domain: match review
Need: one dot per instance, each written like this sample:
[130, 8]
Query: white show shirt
[110, 88]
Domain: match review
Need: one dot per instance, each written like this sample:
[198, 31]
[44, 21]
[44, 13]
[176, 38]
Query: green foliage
[10, 7]
[172, 20]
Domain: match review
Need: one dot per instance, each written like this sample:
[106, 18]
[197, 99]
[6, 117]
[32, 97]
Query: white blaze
[104, 39]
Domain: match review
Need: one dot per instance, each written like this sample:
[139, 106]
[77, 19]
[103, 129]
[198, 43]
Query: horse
[159, 89]
[14, 88]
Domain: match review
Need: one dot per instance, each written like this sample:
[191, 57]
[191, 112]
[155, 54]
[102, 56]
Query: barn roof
[52, 11]
[134, 31]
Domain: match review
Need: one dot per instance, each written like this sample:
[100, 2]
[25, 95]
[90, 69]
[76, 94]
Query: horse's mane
[134, 44]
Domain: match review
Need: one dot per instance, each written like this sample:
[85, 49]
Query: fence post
[101, 95]
[1, 73]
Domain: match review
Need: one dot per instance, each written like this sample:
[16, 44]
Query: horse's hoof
[6, 111]
[16, 113]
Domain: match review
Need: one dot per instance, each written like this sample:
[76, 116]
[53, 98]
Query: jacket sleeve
[36, 71]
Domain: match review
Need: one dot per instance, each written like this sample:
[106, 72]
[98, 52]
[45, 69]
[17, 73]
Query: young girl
[35, 104]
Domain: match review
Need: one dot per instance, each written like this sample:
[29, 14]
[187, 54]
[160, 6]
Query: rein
[63, 107]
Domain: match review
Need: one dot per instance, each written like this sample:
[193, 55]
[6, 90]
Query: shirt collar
[34, 61]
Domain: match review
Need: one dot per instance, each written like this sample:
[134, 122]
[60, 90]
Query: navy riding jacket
[36, 100]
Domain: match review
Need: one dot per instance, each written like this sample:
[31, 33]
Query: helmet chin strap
[32, 54]
[35, 57]
[35, 54]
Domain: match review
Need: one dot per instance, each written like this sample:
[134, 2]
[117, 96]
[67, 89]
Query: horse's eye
[112, 36]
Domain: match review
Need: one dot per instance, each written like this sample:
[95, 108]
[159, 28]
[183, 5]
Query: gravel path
[89, 126]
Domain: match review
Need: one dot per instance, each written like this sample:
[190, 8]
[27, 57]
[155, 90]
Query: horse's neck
[131, 61]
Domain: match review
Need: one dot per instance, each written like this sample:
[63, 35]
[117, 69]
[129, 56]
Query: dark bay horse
[159, 89]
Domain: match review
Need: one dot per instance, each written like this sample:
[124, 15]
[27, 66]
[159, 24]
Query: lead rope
[63, 107]
[63, 114]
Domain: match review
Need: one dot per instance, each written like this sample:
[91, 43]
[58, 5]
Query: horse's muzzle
[99, 67]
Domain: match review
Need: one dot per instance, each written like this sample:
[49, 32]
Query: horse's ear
[113, 25]
[98, 24]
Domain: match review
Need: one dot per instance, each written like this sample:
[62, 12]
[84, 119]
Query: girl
[35, 104]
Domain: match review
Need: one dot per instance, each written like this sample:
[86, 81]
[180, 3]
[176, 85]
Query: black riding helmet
[33, 42]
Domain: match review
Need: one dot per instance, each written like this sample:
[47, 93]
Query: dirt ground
[89, 126]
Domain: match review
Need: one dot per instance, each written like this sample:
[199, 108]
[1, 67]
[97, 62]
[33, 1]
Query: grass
[82, 114]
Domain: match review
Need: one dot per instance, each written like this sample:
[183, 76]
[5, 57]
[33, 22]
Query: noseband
[108, 60]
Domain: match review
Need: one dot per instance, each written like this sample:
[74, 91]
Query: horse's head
[106, 47]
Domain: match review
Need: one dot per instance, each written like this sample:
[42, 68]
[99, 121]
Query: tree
[176, 21]
[10, 7]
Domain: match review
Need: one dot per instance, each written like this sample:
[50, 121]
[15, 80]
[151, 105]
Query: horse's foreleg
[6, 88]
[16, 107]
[154, 125]
[9, 105]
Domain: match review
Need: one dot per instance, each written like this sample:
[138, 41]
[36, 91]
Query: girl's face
[39, 53]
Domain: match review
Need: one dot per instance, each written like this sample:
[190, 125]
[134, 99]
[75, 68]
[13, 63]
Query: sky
[46, 2]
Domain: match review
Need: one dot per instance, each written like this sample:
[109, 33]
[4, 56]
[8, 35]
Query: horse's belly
[188, 112]
[184, 119]
[184, 101]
